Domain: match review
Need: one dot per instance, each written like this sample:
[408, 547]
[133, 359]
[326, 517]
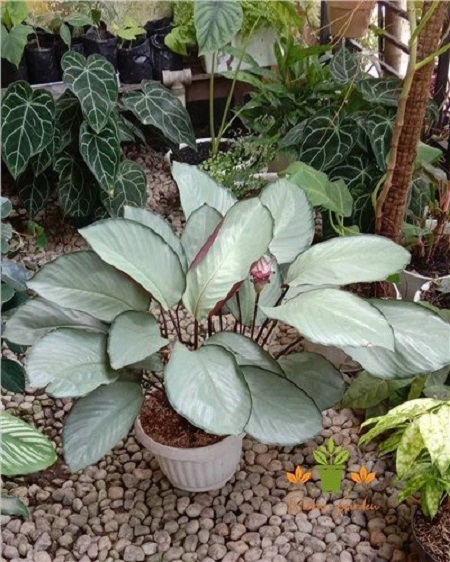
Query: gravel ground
[124, 509]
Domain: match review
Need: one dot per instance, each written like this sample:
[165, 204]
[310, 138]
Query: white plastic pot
[412, 282]
[197, 469]
[259, 46]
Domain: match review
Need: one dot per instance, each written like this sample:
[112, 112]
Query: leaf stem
[289, 347]
[285, 289]
[255, 312]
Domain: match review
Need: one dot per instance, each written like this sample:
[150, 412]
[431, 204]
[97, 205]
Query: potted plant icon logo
[330, 459]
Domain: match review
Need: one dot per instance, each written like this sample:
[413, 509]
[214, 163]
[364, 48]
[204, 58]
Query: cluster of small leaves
[75, 142]
[330, 454]
[418, 435]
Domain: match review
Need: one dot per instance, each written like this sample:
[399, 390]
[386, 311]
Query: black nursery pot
[42, 61]
[163, 58]
[135, 63]
[102, 43]
[10, 73]
[162, 26]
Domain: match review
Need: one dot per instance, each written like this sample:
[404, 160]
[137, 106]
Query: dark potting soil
[434, 534]
[438, 266]
[188, 155]
[160, 421]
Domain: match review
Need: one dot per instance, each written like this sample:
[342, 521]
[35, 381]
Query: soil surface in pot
[434, 534]
[160, 421]
[438, 266]
[188, 155]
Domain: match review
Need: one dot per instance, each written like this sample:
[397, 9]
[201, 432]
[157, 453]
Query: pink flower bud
[261, 271]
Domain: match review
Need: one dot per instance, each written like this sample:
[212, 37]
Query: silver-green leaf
[130, 189]
[199, 227]
[216, 23]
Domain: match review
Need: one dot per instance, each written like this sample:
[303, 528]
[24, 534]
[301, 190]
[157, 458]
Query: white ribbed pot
[197, 469]
[412, 282]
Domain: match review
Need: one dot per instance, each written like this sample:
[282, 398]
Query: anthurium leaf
[156, 105]
[84, 282]
[67, 121]
[14, 274]
[379, 130]
[12, 505]
[109, 412]
[427, 154]
[368, 391]
[245, 351]
[245, 310]
[435, 431]
[353, 259]
[69, 363]
[316, 376]
[199, 227]
[320, 192]
[159, 226]
[344, 66]
[421, 342]
[38, 316]
[216, 23]
[128, 132]
[128, 245]
[101, 152]
[218, 400]
[24, 449]
[334, 317]
[197, 188]
[93, 81]
[281, 413]
[242, 239]
[130, 189]
[41, 161]
[383, 91]
[133, 337]
[25, 109]
[293, 217]
[76, 186]
[34, 191]
[13, 375]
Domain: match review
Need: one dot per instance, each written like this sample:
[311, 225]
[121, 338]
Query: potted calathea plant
[94, 327]
[419, 437]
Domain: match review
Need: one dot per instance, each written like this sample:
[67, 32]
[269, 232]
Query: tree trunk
[395, 205]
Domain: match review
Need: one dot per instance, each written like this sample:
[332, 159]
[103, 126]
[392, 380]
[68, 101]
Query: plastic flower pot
[101, 42]
[162, 57]
[330, 477]
[42, 61]
[197, 469]
[11, 73]
[134, 63]
[349, 18]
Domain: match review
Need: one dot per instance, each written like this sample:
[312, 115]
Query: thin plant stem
[289, 347]
[255, 312]
[285, 289]
[238, 300]
[221, 320]
[196, 334]
[210, 327]
[211, 103]
[269, 333]
[176, 326]
[166, 331]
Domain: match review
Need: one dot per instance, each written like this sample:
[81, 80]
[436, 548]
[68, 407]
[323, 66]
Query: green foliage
[75, 142]
[419, 436]
[92, 318]
[129, 31]
[14, 31]
[330, 454]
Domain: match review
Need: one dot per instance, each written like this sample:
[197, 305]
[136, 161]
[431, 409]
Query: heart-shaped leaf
[216, 23]
[14, 42]
[34, 191]
[157, 106]
[383, 91]
[30, 111]
[67, 121]
[379, 130]
[344, 66]
[76, 186]
[94, 83]
[130, 189]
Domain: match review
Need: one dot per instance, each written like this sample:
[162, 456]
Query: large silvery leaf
[379, 130]
[421, 342]
[244, 310]
[34, 191]
[69, 363]
[199, 227]
[245, 351]
[293, 229]
[24, 449]
[130, 189]
[101, 152]
[354, 259]
[14, 274]
[435, 430]
[316, 376]
[94, 83]
[216, 23]
[334, 317]
[27, 124]
[218, 400]
[242, 239]
[140, 253]
[157, 106]
[38, 316]
[84, 282]
[281, 413]
[159, 225]
[76, 186]
[344, 66]
[109, 412]
[326, 141]
[320, 191]
[383, 91]
[197, 188]
[67, 121]
[133, 337]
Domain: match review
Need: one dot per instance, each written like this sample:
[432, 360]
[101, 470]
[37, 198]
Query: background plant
[14, 31]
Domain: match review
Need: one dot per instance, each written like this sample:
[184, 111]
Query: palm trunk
[395, 204]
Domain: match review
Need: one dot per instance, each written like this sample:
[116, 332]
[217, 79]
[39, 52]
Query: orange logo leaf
[298, 477]
[363, 476]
